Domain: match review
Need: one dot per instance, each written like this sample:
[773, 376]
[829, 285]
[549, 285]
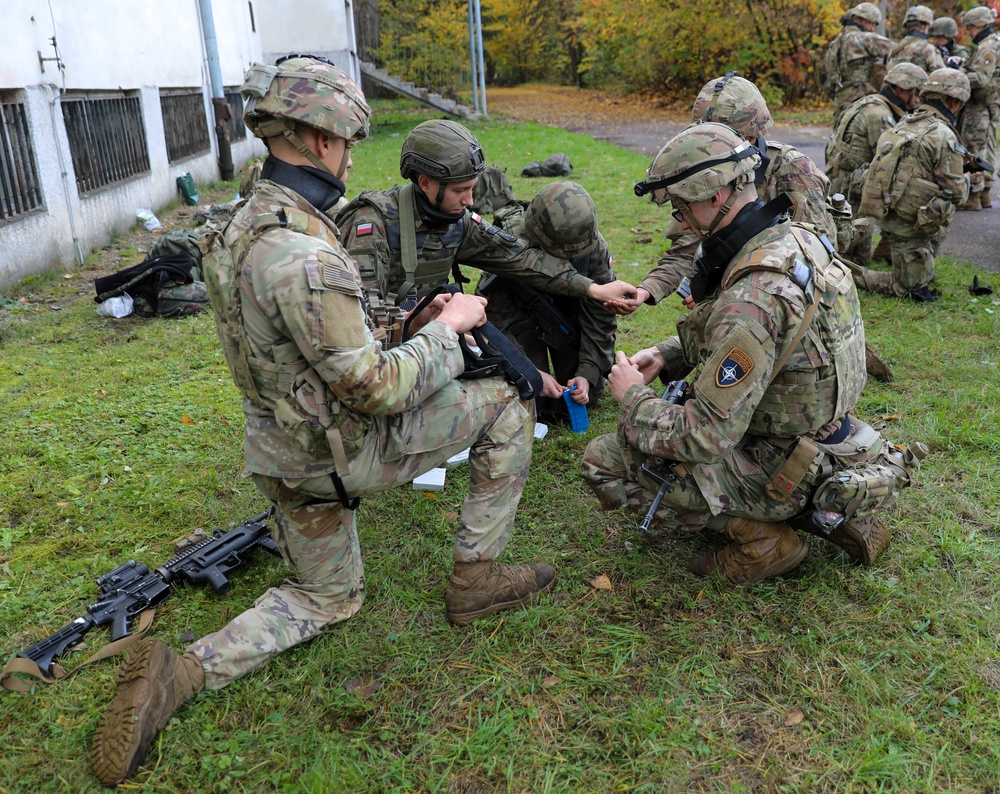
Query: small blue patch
[733, 369]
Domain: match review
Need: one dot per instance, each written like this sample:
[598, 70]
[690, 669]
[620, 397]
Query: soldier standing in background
[330, 414]
[914, 184]
[978, 123]
[855, 59]
[942, 35]
[914, 47]
[561, 219]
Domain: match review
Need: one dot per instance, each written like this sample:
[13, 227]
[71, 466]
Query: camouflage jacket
[930, 158]
[371, 224]
[314, 363]
[849, 60]
[597, 326]
[789, 171]
[916, 49]
[981, 69]
[852, 145]
[733, 342]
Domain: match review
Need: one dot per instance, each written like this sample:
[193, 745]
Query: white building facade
[104, 103]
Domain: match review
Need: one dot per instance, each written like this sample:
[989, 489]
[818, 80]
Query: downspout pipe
[223, 113]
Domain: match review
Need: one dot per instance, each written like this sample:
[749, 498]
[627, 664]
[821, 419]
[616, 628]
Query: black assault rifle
[674, 394]
[131, 589]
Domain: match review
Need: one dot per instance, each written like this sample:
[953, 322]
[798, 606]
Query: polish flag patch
[476, 217]
[363, 229]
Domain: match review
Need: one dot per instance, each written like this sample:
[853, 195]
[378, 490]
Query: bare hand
[624, 375]
[429, 313]
[649, 362]
[581, 394]
[462, 312]
[615, 291]
[550, 386]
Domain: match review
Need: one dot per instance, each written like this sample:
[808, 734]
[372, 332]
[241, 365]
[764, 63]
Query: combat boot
[985, 200]
[864, 539]
[153, 683]
[760, 550]
[873, 280]
[478, 589]
[972, 204]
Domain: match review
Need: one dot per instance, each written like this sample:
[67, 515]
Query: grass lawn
[118, 436]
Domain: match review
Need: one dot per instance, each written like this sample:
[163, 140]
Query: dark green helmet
[562, 220]
[945, 27]
[443, 150]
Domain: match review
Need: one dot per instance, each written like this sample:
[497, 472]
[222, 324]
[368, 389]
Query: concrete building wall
[138, 47]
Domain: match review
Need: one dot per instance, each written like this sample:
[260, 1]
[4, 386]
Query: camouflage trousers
[912, 261]
[706, 497]
[979, 132]
[318, 535]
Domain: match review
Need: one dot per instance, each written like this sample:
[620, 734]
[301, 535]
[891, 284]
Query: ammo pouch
[933, 216]
[497, 355]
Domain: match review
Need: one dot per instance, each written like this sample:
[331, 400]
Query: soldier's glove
[979, 289]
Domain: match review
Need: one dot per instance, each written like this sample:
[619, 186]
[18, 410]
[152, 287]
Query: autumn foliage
[659, 47]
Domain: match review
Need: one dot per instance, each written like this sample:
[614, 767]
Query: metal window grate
[185, 125]
[107, 139]
[237, 129]
[19, 189]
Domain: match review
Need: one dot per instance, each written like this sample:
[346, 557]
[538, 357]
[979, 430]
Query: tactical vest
[835, 337]
[897, 180]
[267, 384]
[850, 151]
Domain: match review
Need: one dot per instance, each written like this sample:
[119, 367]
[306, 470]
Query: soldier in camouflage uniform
[978, 124]
[561, 220]
[330, 414]
[852, 145]
[915, 47]
[855, 59]
[775, 350]
[914, 184]
[402, 259]
[942, 35]
[736, 102]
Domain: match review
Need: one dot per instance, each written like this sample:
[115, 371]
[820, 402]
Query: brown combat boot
[152, 684]
[873, 280]
[985, 200]
[864, 539]
[478, 589]
[760, 550]
[972, 204]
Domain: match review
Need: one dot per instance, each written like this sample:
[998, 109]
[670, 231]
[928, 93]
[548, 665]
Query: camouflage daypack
[492, 191]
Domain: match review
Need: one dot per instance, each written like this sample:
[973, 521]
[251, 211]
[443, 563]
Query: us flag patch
[362, 229]
[734, 368]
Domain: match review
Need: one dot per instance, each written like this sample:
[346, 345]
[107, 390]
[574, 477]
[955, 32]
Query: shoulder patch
[363, 229]
[733, 368]
[476, 217]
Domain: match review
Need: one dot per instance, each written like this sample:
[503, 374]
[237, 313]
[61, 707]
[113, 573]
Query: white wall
[140, 46]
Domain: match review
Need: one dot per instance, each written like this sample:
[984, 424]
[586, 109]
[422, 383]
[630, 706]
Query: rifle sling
[20, 665]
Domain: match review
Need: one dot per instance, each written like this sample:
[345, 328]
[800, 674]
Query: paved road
[974, 236]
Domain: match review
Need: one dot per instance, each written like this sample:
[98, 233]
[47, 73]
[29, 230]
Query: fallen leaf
[643, 240]
[63, 504]
[187, 420]
[890, 417]
[794, 717]
[601, 582]
[551, 680]
[363, 686]
[68, 275]
[222, 419]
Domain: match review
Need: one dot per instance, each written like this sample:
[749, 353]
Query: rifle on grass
[130, 594]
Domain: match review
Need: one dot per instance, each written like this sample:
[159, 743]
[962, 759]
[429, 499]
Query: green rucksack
[492, 191]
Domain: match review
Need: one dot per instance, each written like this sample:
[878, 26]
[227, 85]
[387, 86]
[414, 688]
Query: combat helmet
[443, 150]
[917, 15]
[978, 17]
[947, 82]
[562, 220]
[867, 11]
[694, 165]
[304, 89]
[946, 27]
[734, 101]
[905, 75]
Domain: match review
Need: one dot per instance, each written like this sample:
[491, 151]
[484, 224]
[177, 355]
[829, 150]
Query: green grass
[667, 683]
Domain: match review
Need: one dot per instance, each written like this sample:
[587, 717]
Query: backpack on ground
[169, 285]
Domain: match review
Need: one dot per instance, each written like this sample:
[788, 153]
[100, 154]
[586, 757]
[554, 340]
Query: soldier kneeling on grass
[774, 349]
